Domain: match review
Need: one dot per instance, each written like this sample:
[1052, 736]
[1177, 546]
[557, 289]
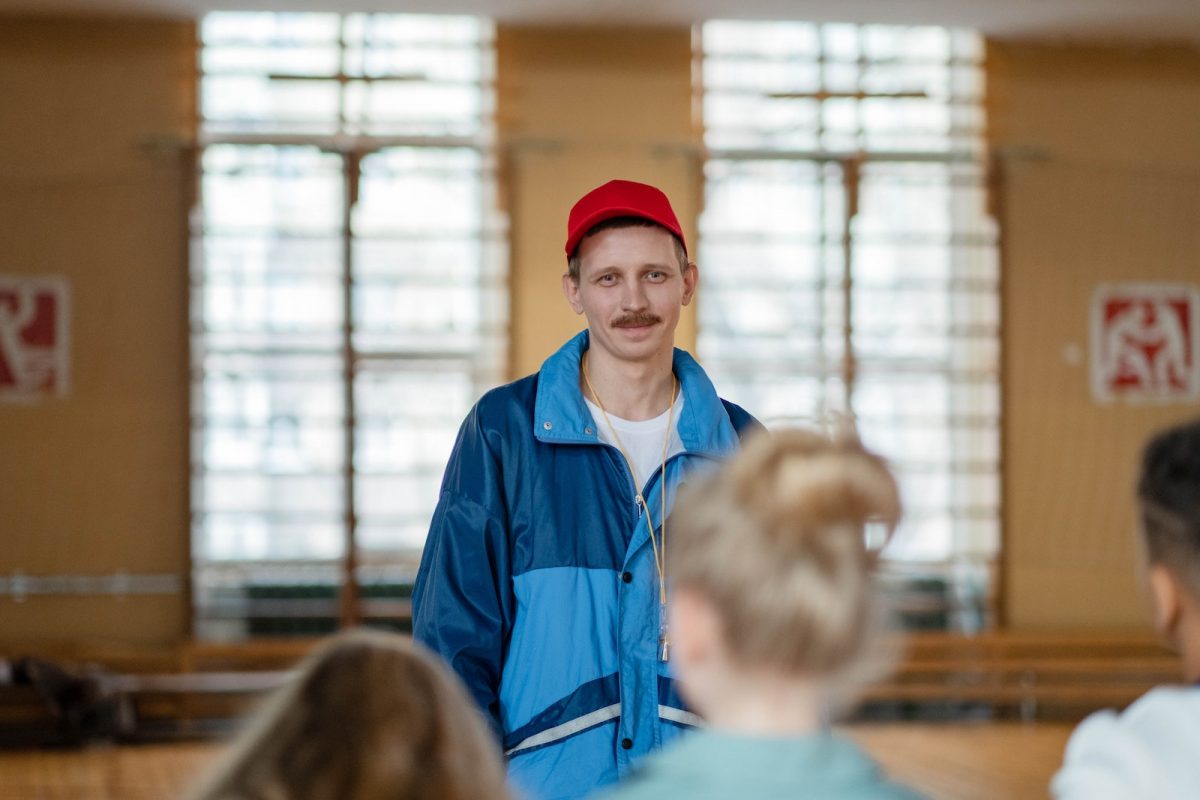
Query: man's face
[631, 290]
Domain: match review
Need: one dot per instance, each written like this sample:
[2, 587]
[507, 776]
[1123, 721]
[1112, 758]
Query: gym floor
[979, 761]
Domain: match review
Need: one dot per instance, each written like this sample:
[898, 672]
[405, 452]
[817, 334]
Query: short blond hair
[369, 716]
[776, 541]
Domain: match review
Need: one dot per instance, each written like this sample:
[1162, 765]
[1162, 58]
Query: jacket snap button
[588, 431]
[627, 577]
[547, 425]
[627, 744]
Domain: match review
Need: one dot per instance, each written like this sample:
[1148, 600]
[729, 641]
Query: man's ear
[691, 278]
[1167, 596]
[570, 289]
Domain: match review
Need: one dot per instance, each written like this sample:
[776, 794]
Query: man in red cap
[543, 581]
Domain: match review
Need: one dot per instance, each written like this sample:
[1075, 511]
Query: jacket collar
[560, 416]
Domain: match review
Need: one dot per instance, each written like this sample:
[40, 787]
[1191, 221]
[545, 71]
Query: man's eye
[608, 278]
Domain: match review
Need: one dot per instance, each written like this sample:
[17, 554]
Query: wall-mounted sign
[34, 355]
[1146, 342]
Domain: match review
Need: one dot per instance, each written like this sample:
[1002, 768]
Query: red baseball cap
[620, 199]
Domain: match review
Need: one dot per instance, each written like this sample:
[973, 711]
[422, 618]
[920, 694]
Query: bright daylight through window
[850, 268]
[348, 306]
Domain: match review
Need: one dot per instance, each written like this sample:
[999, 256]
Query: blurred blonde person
[369, 716]
[1150, 750]
[772, 620]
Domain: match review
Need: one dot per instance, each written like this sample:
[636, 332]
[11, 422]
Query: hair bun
[776, 542]
[799, 484]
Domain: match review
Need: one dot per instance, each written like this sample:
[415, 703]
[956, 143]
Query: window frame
[354, 573]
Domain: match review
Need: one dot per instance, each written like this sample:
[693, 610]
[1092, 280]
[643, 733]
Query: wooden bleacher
[181, 690]
[1068, 674]
[188, 690]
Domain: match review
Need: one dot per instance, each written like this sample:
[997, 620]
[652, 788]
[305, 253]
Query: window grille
[348, 304]
[850, 268]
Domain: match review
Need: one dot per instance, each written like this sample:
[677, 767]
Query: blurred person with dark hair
[1152, 749]
[369, 716]
[775, 620]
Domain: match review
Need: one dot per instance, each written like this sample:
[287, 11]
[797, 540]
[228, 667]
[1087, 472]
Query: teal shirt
[709, 765]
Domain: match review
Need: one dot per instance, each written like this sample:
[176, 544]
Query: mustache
[636, 320]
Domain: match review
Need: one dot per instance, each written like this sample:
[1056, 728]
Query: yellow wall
[1101, 148]
[578, 107]
[95, 482]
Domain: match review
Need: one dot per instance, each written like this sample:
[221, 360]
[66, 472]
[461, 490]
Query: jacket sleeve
[462, 598]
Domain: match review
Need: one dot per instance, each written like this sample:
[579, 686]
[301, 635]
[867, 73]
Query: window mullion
[348, 591]
[850, 184]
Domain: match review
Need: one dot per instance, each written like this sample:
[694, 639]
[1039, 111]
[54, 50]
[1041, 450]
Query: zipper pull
[637, 501]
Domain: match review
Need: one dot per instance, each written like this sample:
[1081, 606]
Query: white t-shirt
[642, 439]
[1149, 751]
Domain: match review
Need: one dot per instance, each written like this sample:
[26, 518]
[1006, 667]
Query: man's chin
[643, 351]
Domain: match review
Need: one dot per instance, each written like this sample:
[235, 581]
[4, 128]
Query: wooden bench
[1063, 673]
[186, 690]
[183, 688]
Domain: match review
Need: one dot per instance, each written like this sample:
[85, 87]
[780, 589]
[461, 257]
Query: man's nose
[634, 297]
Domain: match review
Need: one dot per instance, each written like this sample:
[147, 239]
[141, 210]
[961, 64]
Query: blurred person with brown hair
[773, 619]
[369, 716]
[1152, 749]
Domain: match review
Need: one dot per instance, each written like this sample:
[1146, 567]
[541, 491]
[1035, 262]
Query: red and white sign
[1146, 342]
[34, 358]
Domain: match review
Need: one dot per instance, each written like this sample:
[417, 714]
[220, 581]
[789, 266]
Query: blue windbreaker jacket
[538, 585]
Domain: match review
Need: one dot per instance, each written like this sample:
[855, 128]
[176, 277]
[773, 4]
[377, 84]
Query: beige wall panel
[145, 620]
[599, 85]
[578, 107]
[1102, 184]
[1137, 106]
[96, 482]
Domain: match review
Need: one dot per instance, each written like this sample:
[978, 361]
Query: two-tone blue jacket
[538, 584]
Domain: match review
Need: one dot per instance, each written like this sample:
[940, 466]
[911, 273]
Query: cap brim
[605, 214]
